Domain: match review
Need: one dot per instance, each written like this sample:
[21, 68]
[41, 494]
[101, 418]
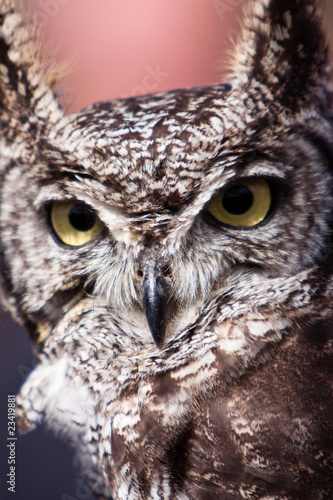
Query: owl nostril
[163, 271]
[166, 271]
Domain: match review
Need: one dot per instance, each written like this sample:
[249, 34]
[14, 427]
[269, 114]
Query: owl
[170, 256]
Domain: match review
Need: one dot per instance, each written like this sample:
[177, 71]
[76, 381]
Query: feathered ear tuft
[26, 82]
[284, 50]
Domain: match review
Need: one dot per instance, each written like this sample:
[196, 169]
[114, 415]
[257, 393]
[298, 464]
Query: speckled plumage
[234, 400]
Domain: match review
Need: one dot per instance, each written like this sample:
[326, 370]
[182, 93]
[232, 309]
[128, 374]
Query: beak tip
[157, 328]
[158, 338]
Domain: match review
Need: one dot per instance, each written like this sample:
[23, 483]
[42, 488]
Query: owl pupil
[237, 199]
[82, 218]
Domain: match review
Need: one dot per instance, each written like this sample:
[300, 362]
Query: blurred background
[112, 49]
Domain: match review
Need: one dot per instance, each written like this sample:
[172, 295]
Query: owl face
[155, 212]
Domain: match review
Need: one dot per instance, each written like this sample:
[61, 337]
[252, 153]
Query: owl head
[152, 209]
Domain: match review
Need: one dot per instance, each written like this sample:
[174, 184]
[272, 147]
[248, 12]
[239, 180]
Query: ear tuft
[284, 50]
[27, 80]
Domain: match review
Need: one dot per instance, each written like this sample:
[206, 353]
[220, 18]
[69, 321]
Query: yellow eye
[242, 204]
[74, 222]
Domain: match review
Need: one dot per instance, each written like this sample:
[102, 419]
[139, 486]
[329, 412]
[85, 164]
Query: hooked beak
[155, 299]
